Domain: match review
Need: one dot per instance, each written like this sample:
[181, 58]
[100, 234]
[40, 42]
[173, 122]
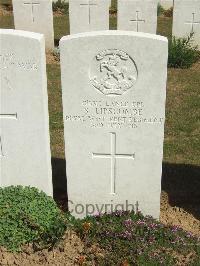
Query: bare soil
[178, 216]
[68, 253]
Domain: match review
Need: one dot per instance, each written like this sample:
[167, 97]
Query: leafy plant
[128, 238]
[160, 9]
[113, 7]
[61, 6]
[56, 53]
[168, 13]
[29, 216]
[182, 54]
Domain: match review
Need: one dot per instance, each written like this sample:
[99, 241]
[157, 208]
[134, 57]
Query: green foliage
[60, 6]
[126, 238]
[29, 216]
[182, 54]
[56, 53]
[113, 7]
[160, 9]
[168, 13]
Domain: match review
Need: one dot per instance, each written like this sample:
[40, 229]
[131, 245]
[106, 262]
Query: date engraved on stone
[113, 72]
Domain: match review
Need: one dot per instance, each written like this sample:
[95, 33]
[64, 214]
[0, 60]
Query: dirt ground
[66, 253]
[177, 216]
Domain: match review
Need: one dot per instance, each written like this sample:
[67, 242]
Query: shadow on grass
[56, 42]
[180, 181]
[60, 182]
[182, 184]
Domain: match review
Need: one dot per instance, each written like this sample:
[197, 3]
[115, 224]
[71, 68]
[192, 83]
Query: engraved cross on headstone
[193, 22]
[5, 116]
[137, 20]
[32, 8]
[89, 9]
[113, 156]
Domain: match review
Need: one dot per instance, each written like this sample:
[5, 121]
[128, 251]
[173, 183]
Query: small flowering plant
[137, 240]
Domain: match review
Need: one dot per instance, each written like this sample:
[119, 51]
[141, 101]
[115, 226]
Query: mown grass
[7, 22]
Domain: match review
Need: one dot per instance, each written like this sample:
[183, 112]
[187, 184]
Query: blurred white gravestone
[166, 4]
[67, 1]
[114, 109]
[25, 157]
[137, 15]
[186, 19]
[35, 16]
[88, 15]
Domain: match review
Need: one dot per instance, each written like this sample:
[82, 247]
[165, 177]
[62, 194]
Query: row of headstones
[93, 15]
[113, 91]
[166, 4]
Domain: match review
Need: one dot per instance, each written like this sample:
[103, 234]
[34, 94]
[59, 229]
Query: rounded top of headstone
[114, 33]
[22, 33]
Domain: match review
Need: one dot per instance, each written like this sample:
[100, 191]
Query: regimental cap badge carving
[113, 72]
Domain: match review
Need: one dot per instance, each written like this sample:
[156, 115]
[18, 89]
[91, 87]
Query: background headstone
[114, 86]
[186, 19]
[67, 1]
[88, 15]
[35, 16]
[25, 157]
[166, 4]
[137, 15]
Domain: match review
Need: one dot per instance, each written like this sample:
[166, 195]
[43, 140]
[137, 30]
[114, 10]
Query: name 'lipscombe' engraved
[113, 114]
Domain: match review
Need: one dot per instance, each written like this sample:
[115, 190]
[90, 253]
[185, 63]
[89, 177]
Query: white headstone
[114, 85]
[166, 4]
[25, 157]
[88, 15]
[137, 15]
[67, 1]
[186, 19]
[35, 16]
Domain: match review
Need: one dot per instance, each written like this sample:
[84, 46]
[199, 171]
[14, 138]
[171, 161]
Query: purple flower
[175, 228]
[128, 222]
[152, 226]
[126, 235]
[140, 222]
[189, 235]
